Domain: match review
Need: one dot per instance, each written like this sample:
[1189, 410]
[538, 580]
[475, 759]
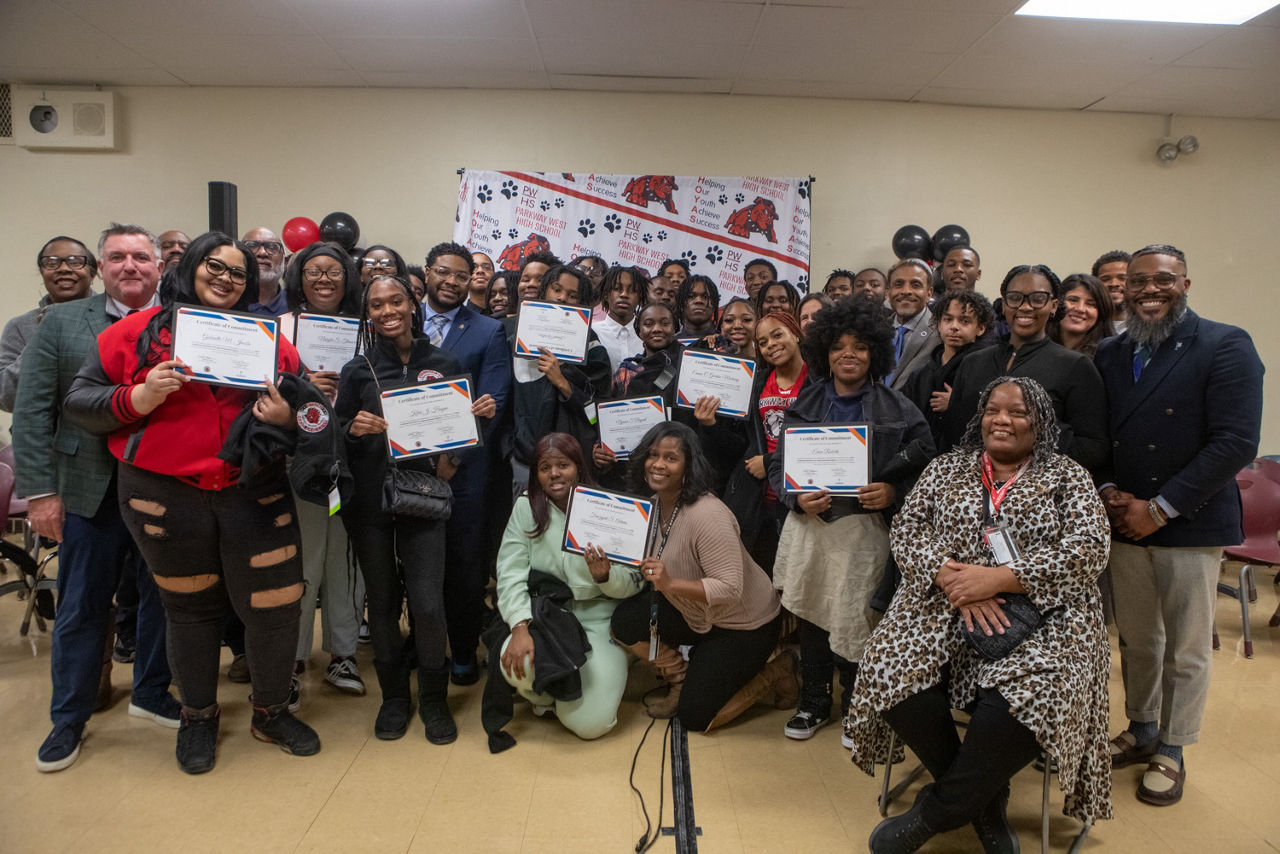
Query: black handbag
[407, 492]
[1023, 620]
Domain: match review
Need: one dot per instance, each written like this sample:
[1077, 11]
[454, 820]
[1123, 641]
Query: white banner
[715, 224]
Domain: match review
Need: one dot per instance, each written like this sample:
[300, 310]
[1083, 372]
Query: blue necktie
[899, 338]
[434, 327]
[1141, 357]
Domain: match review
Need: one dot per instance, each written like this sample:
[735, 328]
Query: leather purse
[416, 493]
[1024, 619]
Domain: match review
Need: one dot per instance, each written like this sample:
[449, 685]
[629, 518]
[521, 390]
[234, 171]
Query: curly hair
[699, 477]
[1115, 255]
[860, 318]
[1162, 249]
[1044, 422]
[974, 301]
[553, 275]
[454, 249]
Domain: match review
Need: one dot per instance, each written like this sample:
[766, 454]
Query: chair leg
[1216, 643]
[889, 795]
[1246, 586]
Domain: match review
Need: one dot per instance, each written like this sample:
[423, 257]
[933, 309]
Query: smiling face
[776, 298]
[1113, 275]
[664, 466]
[391, 310]
[376, 262]
[1079, 311]
[870, 282]
[958, 327]
[755, 277]
[480, 278]
[323, 283]
[1007, 432]
[498, 301]
[850, 363]
[447, 281]
[62, 282]
[738, 325]
[172, 245]
[960, 269]
[808, 311]
[269, 254]
[908, 291]
[530, 277]
[775, 342]
[220, 278]
[130, 269]
[657, 328]
[557, 475]
[1155, 286]
[1026, 321]
[839, 287]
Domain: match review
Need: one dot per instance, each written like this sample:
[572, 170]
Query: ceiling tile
[931, 7]
[860, 89]
[999, 98]
[63, 76]
[1242, 47]
[842, 32]
[414, 54]
[1061, 40]
[1085, 81]
[906, 72]
[1176, 104]
[162, 20]
[640, 84]
[473, 19]
[459, 79]
[659, 59]
[634, 25]
[1269, 18]
[41, 35]
[1207, 84]
[277, 77]
[240, 54]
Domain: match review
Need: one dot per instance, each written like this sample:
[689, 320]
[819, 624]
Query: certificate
[326, 342]
[726, 377]
[613, 521]
[430, 418]
[562, 329]
[834, 457]
[623, 423]
[231, 348]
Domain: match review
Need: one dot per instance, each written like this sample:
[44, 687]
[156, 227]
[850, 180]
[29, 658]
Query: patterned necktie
[899, 338]
[1141, 357]
[435, 327]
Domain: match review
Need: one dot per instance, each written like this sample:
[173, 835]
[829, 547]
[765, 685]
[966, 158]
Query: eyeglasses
[461, 277]
[379, 263]
[1036, 299]
[311, 274]
[215, 267]
[53, 262]
[271, 246]
[1162, 281]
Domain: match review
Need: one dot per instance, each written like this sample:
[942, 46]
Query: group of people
[1016, 452]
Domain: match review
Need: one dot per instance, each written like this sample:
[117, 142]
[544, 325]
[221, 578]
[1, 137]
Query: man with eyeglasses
[1186, 417]
[68, 477]
[480, 345]
[268, 251]
[172, 245]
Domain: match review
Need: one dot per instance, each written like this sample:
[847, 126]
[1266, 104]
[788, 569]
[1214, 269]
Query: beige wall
[1030, 186]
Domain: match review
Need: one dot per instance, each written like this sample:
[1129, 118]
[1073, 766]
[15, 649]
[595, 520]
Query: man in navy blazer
[480, 345]
[1185, 395]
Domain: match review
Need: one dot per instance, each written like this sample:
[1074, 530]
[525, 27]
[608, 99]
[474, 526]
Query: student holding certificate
[533, 541]
[212, 544]
[402, 557]
[833, 550]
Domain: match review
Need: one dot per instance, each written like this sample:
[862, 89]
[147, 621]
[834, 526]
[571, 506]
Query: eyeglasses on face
[53, 262]
[460, 276]
[377, 263]
[312, 274]
[270, 246]
[1162, 281]
[238, 275]
[1036, 299]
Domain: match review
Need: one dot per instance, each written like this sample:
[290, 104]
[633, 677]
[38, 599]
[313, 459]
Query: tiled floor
[754, 791]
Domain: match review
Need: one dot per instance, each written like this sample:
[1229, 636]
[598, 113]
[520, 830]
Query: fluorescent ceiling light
[1159, 11]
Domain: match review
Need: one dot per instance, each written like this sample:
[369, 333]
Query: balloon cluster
[912, 241]
[338, 227]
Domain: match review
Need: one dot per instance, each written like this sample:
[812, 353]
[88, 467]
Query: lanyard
[653, 591]
[995, 497]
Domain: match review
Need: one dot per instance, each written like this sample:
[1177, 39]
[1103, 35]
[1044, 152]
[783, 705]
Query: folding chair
[31, 583]
[1260, 496]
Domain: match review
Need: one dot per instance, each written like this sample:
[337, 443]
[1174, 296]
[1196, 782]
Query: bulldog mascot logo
[513, 256]
[759, 217]
[652, 188]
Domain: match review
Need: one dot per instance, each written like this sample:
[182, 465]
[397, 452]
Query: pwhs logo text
[512, 258]
[313, 417]
[652, 188]
[758, 217]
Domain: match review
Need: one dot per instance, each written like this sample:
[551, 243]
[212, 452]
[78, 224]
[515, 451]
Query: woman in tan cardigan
[707, 592]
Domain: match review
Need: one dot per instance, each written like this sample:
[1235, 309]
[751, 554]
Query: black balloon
[340, 228]
[911, 241]
[947, 238]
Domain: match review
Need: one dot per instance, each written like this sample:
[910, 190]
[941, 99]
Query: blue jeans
[94, 552]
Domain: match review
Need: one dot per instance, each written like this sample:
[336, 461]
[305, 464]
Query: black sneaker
[124, 651]
[197, 742]
[61, 748]
[465, 673]
[805, 723]
[295, 693]
[393, 718]
[284, 731]
[438, 723]
[166, 711]
[344, 675]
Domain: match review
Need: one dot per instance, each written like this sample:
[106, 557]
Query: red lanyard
[997, 496]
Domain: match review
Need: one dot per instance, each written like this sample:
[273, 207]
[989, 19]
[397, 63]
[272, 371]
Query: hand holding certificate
[430, 418]
[728, 378]
[612, 521]
[326, 342]
[830, 457]
[560, 329]
[623, 423]
[230, 348]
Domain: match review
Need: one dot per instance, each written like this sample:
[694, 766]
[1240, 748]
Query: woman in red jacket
[212, 543]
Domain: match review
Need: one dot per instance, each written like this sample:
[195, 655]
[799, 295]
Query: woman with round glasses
[67, 267]
[213, 543]
[379, 260]
[322, 279]
[1029, 295]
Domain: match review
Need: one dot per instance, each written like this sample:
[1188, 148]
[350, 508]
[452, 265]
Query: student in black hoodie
[961, 318]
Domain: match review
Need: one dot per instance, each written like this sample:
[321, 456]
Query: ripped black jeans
[212, 552]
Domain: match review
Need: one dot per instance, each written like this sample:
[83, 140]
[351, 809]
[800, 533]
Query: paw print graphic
[484, 194]
[724, 200]
[662, 235]
[586, 227]
[559, 203]
[690, 257]
[545, 205]
[496, 233]
[648, 238]
[803, 282]
[739, 198]
[509, 189]
[512, 233]
[613, 222]
[714, 254]
[803, 188]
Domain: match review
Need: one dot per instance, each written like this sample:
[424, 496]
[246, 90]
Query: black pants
[245, 541]
[721, 661]
[967, 774]
[466, 558]
[384, 546]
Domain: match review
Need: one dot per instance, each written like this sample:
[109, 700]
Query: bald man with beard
[268, 251]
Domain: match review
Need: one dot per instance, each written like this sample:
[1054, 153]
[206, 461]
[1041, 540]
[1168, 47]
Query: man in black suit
[1185, 395]
[480, 345]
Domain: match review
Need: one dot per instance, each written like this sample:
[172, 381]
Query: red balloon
[299, 233]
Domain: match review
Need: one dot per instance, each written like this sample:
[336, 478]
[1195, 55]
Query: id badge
[1000, 541]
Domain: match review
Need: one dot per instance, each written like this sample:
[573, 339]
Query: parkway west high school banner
[716, 224]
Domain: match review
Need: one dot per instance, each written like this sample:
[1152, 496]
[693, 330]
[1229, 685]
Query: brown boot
[670, 665]
[777, 676]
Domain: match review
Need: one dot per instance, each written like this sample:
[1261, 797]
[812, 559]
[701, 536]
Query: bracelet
[1157, 513]
[524, 622]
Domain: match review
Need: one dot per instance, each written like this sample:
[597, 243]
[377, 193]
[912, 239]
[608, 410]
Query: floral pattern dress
[1056, 680]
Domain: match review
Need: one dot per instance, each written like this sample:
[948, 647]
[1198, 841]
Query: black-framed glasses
[215, 267]
[312, 274]
[459, 276]
[53, 262]
[1162, 281]
[1036, 299]
[272, 246]
[377, 263]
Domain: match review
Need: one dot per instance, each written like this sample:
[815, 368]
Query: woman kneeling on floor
[707, 592]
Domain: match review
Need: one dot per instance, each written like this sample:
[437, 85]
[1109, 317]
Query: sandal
[1126, 751]
[1161, 785]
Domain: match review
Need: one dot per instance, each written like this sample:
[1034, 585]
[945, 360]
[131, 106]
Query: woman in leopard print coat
[1051, 689]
